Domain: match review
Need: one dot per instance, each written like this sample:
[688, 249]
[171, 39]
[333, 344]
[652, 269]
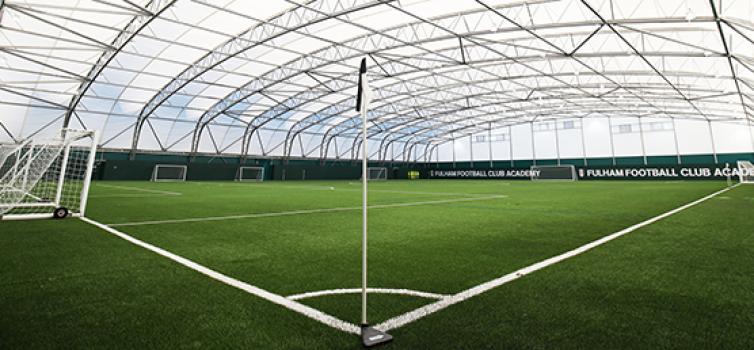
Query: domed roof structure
[278, 77]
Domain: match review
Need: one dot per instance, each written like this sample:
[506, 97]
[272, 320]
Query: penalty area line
[129, 188]
[303, 211]
[429, 309]
[259, 292]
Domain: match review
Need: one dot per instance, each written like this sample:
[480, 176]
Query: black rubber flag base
[371, 337]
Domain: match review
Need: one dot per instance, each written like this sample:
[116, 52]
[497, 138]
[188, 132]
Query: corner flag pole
[369, 336]
[364, 193]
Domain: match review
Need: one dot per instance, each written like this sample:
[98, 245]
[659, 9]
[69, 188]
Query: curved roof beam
[287, 22]
[563, 55]
[354, 122]
[524, 112]
[461, 115]
[629, 111]
[616, 32]
[249, 134]
[309, 96]
[647, 100]
[643, 58]
[397, 36]
[291, 105]
[718, 21]
[141, 20]
[482, 128]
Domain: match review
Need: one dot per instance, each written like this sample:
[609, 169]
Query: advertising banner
[678, 172]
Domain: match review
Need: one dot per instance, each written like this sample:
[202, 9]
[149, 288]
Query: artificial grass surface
[643, 290]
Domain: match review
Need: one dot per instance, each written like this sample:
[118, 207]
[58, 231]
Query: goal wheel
[60, 213]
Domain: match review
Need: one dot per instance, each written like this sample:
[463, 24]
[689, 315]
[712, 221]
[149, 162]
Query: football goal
[250, 173]
[169, 172]
[745, 172]
[47, 178]
[553, 173]
[376, 173]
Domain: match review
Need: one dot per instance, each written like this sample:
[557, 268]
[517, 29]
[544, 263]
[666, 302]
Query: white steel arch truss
[179, 75]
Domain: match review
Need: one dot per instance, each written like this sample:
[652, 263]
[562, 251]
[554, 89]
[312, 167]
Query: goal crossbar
[376, 173]
[169, 172]
[250, 173]
[43, 178]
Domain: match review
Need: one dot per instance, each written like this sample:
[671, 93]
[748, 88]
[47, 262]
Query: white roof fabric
[258, 77]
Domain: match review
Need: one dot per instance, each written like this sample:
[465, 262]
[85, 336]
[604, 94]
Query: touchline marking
[409, 292]
[304, 211]
[264, 294]
[140, 189]
[423, 311]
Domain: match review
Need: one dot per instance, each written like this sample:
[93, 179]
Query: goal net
[250, 173]
[745, 172]
[553, 172]
[169, 172]
[47, 178]
[376, 173]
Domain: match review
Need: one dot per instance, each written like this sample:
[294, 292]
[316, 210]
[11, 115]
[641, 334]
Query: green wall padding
[118, 166]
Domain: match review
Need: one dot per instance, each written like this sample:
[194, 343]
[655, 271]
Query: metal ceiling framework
[176, 75]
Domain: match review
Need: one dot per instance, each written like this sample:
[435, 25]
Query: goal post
[169, 172]
[250, 173]
[553, 173]
[376, 173]
[46, 178]
[745, 172]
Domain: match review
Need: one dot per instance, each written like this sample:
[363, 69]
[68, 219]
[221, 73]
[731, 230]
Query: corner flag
[364, 95]
[369, 336]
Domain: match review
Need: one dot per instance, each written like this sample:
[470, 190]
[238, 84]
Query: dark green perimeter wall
[119, 166]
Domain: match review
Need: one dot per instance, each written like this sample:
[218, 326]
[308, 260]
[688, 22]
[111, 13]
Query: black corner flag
[362, 81]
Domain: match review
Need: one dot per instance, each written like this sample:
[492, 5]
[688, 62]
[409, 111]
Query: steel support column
[641, 138]
[675, 141]
[612, 140]
[712, 140]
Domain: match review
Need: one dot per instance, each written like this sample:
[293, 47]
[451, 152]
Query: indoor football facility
[394, 174]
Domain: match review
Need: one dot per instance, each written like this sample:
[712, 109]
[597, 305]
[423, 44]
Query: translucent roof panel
[226, 77]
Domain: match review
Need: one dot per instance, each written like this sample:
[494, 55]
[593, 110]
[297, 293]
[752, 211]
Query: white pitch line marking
[427, 193]
[341, 189]
[409, 292]
[140, 189]
[264, 294]
[423, 311]
[408, 192]
[146, 195]
[304, 211]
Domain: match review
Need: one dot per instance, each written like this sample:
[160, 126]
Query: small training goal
[553, 173]
[376, 173]
[250, 173]
[46, 178]
[169, 172]
[745, 172]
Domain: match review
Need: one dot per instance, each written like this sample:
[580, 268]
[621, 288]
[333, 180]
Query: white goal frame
[745, 172]
[574, 176]
[239, 174]
[381, 170]
[157, 167]
[46, 178]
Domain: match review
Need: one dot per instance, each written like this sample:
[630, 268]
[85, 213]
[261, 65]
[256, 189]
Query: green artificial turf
[684, 282]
